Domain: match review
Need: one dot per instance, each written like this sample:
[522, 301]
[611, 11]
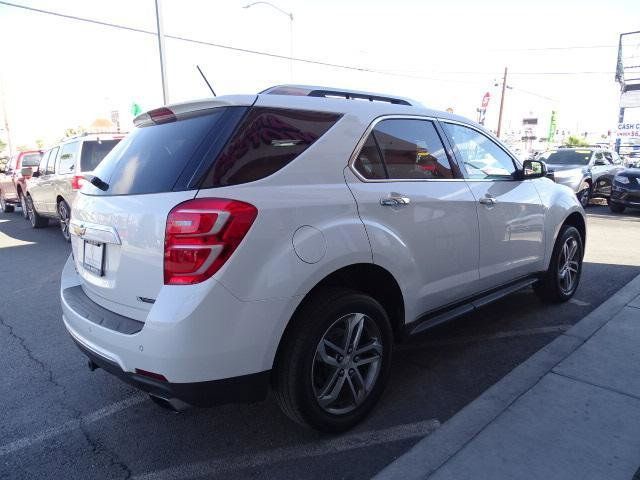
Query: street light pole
[504, 86]
[288, 14]
[161, 49]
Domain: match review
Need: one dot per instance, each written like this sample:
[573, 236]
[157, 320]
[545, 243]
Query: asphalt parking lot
[59, 420]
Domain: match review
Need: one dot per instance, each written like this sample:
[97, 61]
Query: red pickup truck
[12, 183]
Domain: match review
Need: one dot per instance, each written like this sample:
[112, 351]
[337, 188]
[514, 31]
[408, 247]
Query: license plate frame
[94, 261]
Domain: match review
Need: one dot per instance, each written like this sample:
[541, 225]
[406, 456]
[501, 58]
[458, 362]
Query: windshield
[567, 157]
[93, 151]
[31, 160]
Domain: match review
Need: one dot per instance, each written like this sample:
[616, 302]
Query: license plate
[93, 259]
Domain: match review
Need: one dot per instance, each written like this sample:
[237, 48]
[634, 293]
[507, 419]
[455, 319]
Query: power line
[297, 59]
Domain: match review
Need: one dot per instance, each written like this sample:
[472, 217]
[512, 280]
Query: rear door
[510, 212]
[419, 213]
[118, 233]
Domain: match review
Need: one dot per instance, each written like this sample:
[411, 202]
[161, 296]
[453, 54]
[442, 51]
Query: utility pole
[504, 86]
[6, 119]
[163, 72]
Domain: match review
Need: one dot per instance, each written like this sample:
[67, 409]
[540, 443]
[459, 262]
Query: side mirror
[534, 169]
[26, 171]
[599, 162]
[36, 174]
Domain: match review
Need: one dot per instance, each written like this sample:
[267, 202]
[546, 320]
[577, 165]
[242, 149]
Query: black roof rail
[308, 91]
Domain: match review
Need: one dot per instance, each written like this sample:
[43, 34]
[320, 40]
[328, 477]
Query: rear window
[267, 140]
[567, 157]
[93, 152]
[151, 159]
[31, 160]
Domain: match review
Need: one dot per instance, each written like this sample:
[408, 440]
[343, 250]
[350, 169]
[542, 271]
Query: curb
[433, 451]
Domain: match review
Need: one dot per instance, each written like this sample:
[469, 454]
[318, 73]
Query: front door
[419, 214]
[510, 212]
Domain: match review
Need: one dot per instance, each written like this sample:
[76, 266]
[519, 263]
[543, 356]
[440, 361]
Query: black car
[626, 190]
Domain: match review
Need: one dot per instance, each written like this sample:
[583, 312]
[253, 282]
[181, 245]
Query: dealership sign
[626, 130]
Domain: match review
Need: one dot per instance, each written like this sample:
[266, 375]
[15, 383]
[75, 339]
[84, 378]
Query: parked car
[12, 182]
[53, 185]
[626, 190]
[288, 239]
[588, 172]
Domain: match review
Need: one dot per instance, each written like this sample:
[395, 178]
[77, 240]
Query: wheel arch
[368, 278]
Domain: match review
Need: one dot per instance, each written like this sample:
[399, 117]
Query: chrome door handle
[395, 200]
[489, 201]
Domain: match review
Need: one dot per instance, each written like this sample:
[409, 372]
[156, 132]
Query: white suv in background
[52, 187]
[289, 239]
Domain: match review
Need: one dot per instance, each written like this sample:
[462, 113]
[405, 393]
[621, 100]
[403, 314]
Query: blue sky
[59, 73]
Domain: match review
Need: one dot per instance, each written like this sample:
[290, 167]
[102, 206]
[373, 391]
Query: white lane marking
[266, 457]
[494, 336]
[580, 303]
[71, 424]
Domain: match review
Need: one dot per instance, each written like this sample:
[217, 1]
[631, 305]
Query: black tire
[64, 216]
[4, 206]
[294, 382]
[616, 208]
[23, 206]
[584, 194]
[552, 287]
[36, 220]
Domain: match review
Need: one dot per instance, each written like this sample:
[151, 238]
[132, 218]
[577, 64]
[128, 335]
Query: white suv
[288, 239]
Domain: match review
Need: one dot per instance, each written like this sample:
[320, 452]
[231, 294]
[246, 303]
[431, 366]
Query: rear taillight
[162, 115]
[77, 181]
[201, 235]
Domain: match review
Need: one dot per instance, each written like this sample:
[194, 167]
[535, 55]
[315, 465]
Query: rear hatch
[118, 230]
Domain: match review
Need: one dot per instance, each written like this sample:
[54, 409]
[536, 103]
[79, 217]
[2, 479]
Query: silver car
[587, 171]
[53, 185]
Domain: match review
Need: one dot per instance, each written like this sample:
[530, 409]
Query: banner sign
[628, 130]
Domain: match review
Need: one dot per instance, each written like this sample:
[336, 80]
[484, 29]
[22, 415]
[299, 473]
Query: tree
[40, 144]
[2, 146]
[574, 141]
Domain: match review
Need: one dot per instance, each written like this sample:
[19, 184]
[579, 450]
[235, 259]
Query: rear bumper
[245, 388]
[210, 347]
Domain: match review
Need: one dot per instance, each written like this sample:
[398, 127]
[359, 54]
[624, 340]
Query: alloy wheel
[23, 206]
[63, 213]
[568, 265]
[347, 363]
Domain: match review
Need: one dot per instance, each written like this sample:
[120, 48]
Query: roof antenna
[205, 79]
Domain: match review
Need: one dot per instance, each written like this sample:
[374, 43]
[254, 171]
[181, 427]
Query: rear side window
[93, 152]
[409, 149]
[266, 140]
[42, 167]
[68, 157]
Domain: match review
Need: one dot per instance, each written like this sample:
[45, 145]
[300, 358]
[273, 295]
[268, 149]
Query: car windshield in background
[93, 152]
[31, 160]
[567, 157]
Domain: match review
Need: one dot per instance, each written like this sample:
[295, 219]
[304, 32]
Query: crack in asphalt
[96, 447]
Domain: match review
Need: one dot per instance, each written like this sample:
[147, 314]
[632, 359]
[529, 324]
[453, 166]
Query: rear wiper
[96, 182]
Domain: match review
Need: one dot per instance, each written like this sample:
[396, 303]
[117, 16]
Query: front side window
[481, 156]
[43, 162]
[68, 156]
[52, 161]
[404, 149]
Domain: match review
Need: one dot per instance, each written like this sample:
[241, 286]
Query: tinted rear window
[93, 152]
[152, 158]
[567, 157]
[31, 160]
[267, 140]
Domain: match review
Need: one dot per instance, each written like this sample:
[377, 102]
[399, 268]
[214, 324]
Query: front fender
[559, 202]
